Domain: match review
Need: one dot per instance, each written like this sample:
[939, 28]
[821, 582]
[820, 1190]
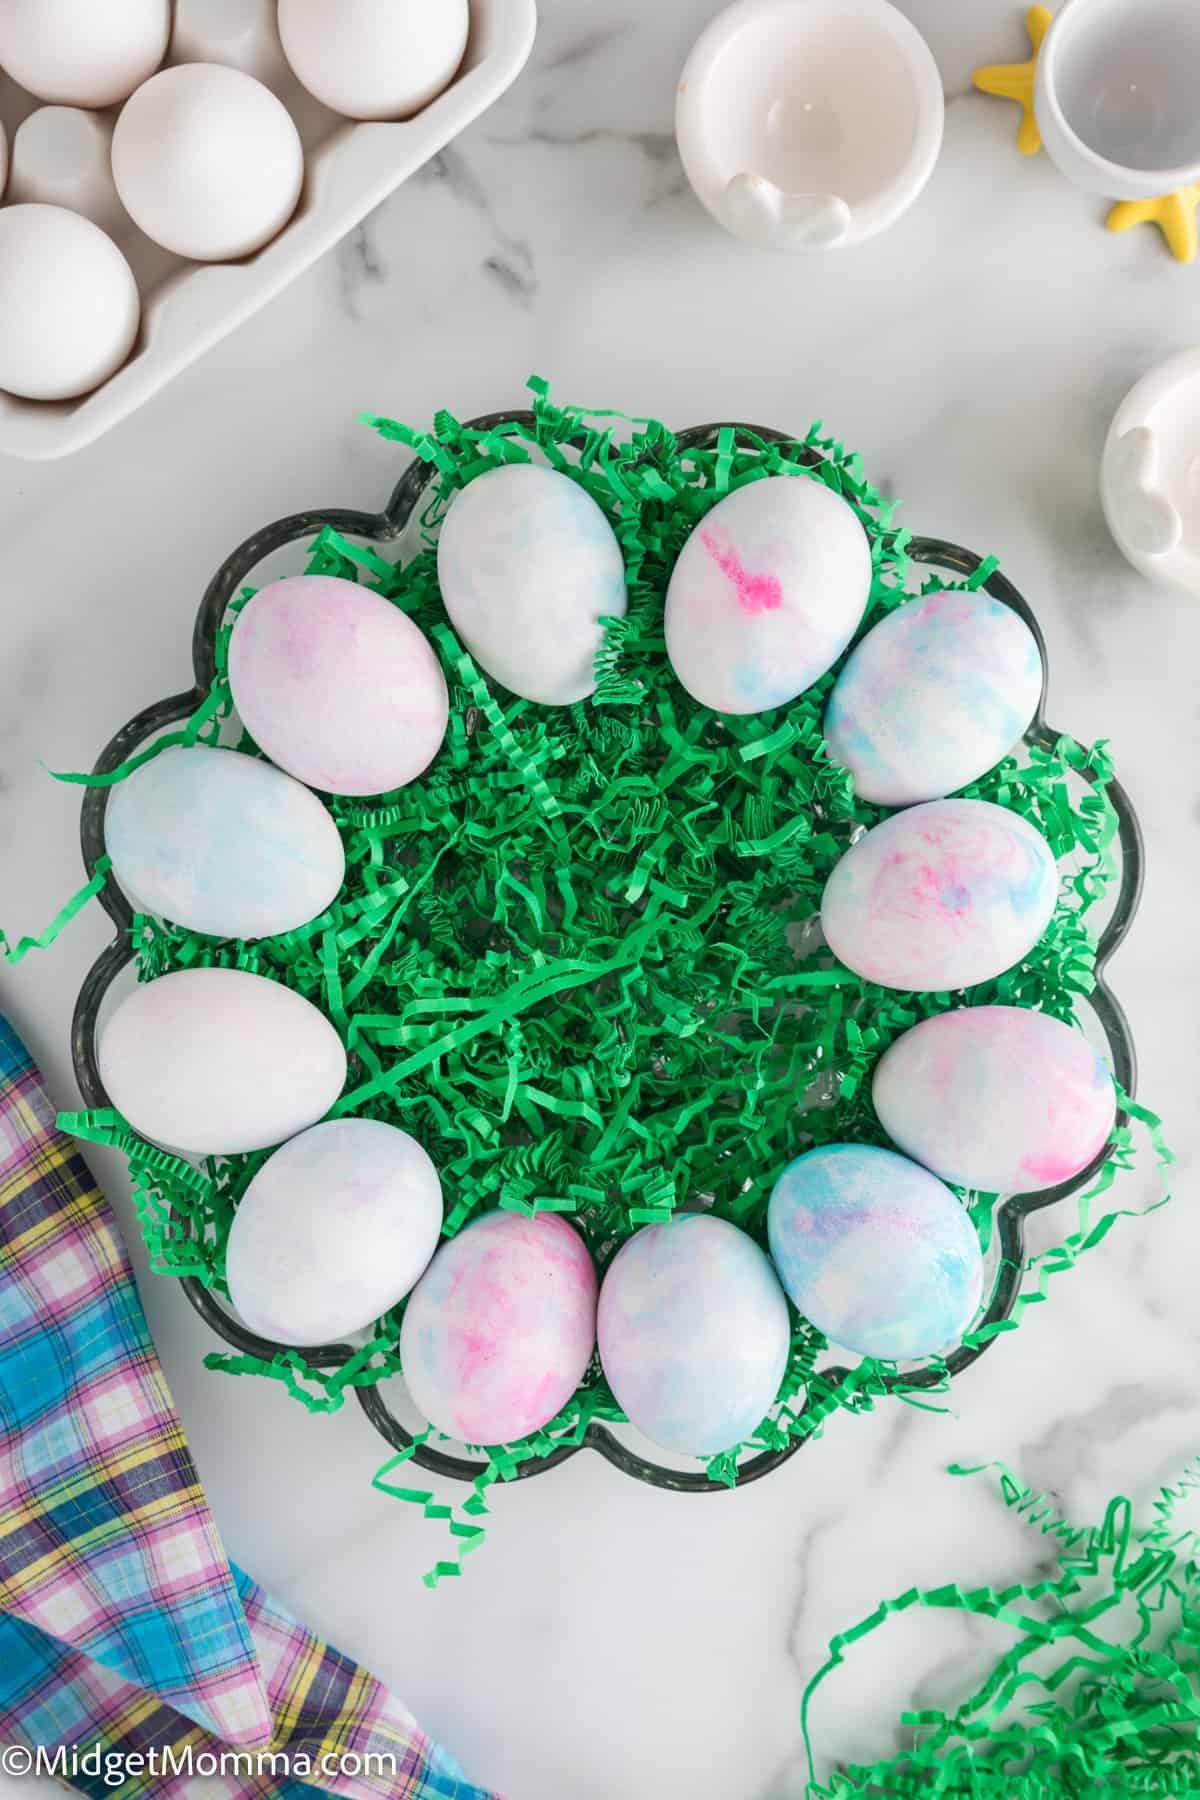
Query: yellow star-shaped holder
[1174, 214]
[1015, 81]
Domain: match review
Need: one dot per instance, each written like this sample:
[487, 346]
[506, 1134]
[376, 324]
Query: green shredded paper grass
[571, 958]
[1097, 1696]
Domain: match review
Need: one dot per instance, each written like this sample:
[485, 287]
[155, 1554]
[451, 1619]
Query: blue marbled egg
[935, 696]
[223, 844]
[529, 566]
[694, 1334]
[875, 1251]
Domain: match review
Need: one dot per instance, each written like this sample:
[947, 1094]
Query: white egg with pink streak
[766, 594]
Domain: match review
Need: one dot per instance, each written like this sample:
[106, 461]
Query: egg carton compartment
[280, 548]
[350, 168]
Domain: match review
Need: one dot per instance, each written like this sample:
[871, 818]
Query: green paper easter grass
[566, 958]
[1097, 1696]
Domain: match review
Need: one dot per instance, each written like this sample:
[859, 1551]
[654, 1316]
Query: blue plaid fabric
[124, 1630]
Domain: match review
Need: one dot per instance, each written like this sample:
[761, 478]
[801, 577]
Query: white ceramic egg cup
[1115, 98]
[349, 169]
[1150, 474]
[809, 124]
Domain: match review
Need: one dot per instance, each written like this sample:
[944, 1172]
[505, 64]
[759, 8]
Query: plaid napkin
[124, 1630]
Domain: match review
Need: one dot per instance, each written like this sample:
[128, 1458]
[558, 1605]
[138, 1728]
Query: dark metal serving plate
[385, 527]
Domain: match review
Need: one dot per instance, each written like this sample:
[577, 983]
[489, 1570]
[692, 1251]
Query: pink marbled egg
[337, 686]
[997, 1098]
[217, 1062]
[941, 897]
[499, 1331]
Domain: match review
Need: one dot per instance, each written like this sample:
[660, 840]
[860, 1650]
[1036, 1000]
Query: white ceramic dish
[809, 124]
[1150, 474]
[350, 168]
[1115, 100]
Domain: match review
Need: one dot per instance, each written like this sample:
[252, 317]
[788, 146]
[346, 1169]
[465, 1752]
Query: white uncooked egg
[207, 162]
[69, 306]
[83, 52]
[374, 59]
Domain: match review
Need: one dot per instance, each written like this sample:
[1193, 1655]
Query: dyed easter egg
[766, 594]
[694, 1334]
[528, 565]
[996, 1098]
[337, 686]
[941, 896]
[223, 844]
[875, 1252]
[935, 696]
[215, 1061]
[333, 1231]
[500, 1329]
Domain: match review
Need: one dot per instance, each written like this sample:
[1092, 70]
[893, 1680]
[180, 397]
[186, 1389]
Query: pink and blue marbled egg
[941, 896]
[499, 1331]
[875, 1252]
[935, 696]
[996, 1098]
[766, 594]
[694, 1334]
[337, 686]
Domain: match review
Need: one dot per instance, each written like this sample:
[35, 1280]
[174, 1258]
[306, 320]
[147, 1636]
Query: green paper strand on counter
[574, 958]
[1098, 1694]
[15, 953]
[202, 728]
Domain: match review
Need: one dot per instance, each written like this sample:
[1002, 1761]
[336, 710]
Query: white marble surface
[610, 1640]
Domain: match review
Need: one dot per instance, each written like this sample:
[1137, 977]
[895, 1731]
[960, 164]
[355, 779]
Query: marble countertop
[611, 1640]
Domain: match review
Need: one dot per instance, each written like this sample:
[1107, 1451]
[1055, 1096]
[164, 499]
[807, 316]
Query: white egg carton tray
[349, 169]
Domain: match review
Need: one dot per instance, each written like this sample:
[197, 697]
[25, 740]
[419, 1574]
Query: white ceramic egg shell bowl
[349, 168]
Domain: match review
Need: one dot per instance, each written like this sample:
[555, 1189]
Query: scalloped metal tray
[384, 527]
